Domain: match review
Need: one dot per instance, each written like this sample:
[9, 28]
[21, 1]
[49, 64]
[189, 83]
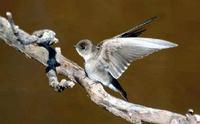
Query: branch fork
[44, 38]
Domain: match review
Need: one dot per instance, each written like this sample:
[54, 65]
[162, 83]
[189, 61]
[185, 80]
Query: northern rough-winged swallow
[107, 61]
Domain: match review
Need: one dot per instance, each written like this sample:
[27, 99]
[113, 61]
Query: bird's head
[84, 48]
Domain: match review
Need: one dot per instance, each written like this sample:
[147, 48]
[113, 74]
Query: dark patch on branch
[51, 63]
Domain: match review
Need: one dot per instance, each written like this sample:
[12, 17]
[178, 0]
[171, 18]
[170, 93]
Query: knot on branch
[192, 118]
[45, 36]
[58, 86]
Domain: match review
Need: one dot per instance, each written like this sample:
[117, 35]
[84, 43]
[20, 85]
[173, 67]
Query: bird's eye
[82, 46]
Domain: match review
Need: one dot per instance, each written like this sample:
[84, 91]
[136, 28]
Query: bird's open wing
[116, 54]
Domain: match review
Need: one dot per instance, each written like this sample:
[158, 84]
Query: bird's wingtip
[172, 45]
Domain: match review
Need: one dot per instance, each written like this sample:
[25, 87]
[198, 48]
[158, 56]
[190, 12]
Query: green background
[168, 79]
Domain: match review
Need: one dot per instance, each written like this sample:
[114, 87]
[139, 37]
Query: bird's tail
[119, 88]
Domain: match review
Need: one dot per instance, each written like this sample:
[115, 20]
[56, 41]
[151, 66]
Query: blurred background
[168, 79]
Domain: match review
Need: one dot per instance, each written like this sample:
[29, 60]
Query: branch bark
[29, 45]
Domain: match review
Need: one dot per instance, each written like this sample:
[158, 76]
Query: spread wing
[116, 54]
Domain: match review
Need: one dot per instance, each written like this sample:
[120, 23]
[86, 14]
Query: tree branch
[31, 46]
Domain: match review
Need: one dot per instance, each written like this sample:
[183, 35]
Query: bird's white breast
[97, 72]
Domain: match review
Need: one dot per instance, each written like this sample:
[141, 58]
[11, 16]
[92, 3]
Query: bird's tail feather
[119, 88]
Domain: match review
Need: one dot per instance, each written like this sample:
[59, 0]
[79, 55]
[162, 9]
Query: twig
[12, 24]
[131, 112]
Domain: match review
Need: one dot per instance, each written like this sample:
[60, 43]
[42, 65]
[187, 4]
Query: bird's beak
[74, 46]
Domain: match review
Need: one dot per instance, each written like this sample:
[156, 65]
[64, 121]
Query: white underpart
[87, 57]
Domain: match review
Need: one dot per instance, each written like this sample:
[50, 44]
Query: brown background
[166, 80]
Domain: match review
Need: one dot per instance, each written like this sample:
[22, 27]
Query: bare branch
[30, 45]
[21, 36]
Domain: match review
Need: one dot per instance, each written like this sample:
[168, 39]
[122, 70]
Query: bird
[107, 61]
